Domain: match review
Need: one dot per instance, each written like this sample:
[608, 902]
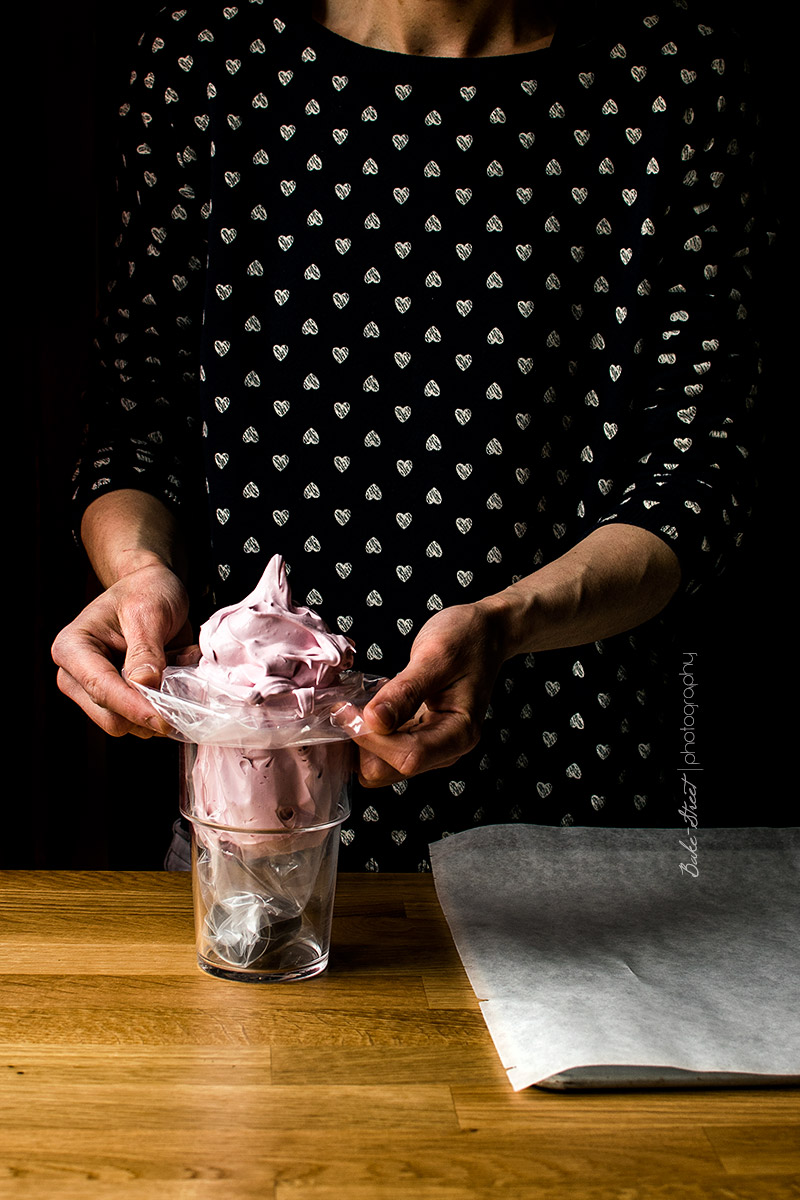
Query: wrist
[508, 617]
[129, 561]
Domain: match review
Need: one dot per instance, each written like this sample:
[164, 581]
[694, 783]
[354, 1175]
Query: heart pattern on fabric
[414, 337]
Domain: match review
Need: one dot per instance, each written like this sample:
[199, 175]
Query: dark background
[83, 800]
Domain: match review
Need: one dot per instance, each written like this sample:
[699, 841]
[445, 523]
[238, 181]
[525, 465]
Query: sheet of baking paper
[593, 948]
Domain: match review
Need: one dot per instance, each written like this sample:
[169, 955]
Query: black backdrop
[89, 801]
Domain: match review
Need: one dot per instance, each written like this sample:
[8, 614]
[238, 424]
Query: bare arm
[125, 530]
[134, 546]
[616, 578]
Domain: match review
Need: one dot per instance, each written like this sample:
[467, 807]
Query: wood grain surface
[127, 1072]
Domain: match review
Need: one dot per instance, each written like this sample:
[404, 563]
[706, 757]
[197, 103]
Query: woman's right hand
[133, 624]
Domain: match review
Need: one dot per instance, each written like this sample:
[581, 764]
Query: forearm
[615, 579]
[126, 530]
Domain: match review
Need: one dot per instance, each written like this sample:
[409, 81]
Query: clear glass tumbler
[264, 884]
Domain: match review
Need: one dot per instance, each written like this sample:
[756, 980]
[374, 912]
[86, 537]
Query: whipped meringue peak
[266, 644]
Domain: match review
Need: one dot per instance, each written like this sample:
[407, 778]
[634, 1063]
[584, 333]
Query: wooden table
[127, 1072]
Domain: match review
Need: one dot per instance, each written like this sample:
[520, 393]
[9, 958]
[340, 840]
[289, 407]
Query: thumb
[145, 658]
[400, 698]
[147, 621]
[142, 668]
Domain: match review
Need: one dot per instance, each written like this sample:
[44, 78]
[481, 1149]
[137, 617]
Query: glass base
[301, 958]
[219, 971]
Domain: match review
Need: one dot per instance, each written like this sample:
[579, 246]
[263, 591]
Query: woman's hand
[432, 712]
[134, 622]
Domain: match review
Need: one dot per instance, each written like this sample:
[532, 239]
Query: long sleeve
[447, 317]
[142, 429]
[695, 436]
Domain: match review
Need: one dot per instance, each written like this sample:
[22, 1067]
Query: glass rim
[343, 810]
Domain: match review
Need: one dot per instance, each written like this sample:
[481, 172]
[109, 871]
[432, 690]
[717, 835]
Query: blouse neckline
[575, 26]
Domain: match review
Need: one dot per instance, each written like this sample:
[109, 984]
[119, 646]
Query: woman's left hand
[432, 712]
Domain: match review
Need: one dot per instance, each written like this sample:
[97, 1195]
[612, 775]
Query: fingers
[87, 676]
[433, 740]
[431, 714]
[106, 699]
[134, 619]
[401, 698]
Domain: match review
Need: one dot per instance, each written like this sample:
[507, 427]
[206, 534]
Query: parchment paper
[599, 962]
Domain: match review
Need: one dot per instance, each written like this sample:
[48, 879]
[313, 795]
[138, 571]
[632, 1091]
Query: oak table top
[128, 1072]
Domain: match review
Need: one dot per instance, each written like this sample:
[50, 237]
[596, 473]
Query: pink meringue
[262, 648]
[265, 644]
